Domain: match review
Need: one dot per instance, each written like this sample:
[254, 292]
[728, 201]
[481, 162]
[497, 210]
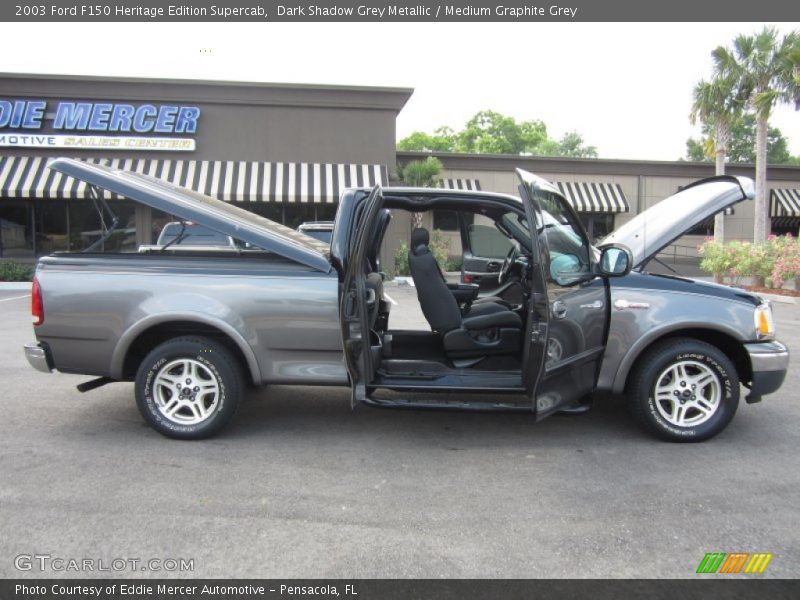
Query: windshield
[563, 242]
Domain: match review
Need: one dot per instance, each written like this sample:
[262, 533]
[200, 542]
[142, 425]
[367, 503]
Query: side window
[564, 250]
[486, 241]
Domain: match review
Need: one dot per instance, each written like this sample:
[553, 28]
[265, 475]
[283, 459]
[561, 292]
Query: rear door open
[362, 349]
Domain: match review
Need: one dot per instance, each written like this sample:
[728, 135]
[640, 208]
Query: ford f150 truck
[566, 320]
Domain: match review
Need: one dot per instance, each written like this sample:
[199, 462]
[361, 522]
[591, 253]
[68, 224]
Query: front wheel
[188, 388]
[684, 390]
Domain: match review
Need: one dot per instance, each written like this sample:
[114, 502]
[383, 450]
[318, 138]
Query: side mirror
[616, 260]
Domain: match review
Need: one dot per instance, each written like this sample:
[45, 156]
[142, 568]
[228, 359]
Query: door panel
[577, 301]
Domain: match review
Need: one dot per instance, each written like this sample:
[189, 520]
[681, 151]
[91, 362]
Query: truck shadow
[326, 412]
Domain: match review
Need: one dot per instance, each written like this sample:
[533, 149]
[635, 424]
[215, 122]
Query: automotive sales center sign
[86, 125]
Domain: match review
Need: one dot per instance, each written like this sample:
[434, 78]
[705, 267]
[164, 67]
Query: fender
[130, 334]
[653, 335]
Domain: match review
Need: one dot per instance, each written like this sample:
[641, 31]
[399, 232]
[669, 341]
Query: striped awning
[239, 181]
[785, 222]
[460, 184]
[594, 197]
[784, 203]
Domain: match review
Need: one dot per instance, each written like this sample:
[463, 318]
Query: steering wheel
[505, 270]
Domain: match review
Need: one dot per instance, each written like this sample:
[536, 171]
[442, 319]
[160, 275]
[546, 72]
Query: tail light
[37, 306]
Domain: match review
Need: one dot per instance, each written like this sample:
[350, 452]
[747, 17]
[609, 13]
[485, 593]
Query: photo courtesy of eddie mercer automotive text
[228, 299]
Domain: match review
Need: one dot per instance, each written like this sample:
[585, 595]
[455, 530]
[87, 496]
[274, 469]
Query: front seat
[475, 335]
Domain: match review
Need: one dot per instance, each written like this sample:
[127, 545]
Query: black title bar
[388, 11]
[703, 587]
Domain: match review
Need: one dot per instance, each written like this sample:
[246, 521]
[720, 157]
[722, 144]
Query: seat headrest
[419, 240]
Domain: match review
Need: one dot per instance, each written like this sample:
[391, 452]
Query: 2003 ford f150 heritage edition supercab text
[560, 321]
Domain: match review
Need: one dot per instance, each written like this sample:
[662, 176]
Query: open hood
[653, 230]
[215, 214]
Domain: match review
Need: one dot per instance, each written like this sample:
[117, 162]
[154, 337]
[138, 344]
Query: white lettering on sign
[92, 142]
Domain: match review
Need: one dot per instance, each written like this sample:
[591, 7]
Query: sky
[627, 88]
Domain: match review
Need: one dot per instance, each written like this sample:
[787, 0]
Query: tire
[188, 388]
[664, 403]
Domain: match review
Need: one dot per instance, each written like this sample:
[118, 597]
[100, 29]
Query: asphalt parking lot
[300, 486]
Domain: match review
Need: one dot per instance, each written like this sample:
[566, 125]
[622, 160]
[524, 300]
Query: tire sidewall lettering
[149, 396]
[722, 412]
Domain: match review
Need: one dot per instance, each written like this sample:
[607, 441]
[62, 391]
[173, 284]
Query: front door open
[577, 300]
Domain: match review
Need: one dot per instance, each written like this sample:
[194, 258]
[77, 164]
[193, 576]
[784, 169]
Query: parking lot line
[16, 298]
[394, 303]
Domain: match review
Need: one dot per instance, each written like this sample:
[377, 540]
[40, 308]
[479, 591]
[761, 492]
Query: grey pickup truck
[565, 322]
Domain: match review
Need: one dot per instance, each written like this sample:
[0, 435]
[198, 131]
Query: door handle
[559, 309]
[492, 266]
[595, 304]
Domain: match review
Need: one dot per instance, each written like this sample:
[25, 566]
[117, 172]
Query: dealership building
[284, 151]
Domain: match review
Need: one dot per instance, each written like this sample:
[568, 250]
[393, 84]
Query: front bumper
[39, 357]
[769, 361]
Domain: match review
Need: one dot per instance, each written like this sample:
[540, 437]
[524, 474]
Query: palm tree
[420, 173]
[766, 69]
[717, 104]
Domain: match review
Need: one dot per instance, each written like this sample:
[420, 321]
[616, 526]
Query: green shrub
[718, 258]
[401, 260]
[438, 246]
[454, 263]
[771, 263]
[14, 271]
[787, 259]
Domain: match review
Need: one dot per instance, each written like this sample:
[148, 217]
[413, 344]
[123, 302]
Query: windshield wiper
[98, 198]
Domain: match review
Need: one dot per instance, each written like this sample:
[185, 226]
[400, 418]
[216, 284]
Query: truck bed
[281, 316]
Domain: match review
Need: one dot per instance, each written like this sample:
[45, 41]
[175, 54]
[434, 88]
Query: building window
[85, 226]
[295, 214]
[50, 222]
[784, 225]
[706, 228]
[597, 225]
[326, 212]
[447, 220]
[16, 231]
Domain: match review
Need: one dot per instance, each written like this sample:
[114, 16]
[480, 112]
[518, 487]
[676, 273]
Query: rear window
[193, 235]
[322, 236]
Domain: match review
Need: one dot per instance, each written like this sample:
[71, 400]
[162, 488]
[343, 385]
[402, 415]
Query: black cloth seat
[486, 329]
[374, 283]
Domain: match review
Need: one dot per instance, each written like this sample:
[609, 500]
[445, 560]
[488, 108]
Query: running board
[445, 404]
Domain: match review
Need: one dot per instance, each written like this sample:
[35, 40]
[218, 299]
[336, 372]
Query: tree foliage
[741, 147]
[421, 173]
[766, 69]
[490, 132]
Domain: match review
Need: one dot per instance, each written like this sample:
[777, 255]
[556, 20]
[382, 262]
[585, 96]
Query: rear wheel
[189, 387]
[684, 390]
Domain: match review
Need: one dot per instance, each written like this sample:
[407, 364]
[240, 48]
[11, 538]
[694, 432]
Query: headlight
[765, 324]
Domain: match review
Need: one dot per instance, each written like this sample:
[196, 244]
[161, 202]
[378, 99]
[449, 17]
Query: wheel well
[157, 334]
[727, 344]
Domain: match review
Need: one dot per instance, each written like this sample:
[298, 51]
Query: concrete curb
[777, 298]
[15, 286]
